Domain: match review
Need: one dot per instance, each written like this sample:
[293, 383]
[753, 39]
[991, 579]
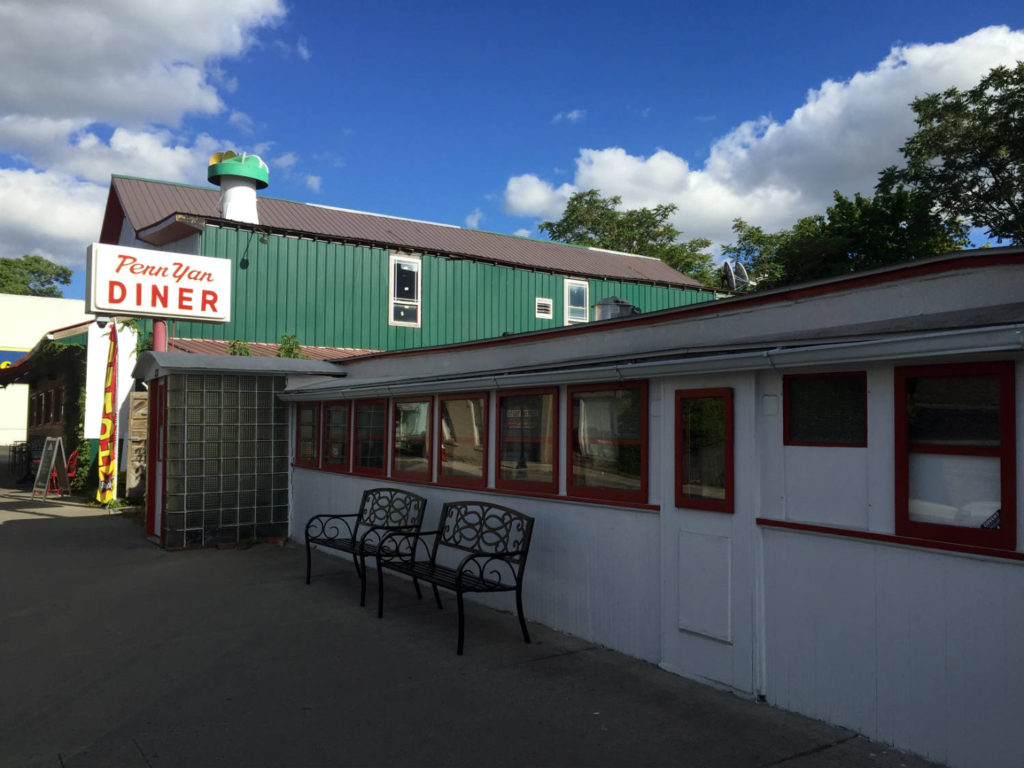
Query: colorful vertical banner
[107, 490]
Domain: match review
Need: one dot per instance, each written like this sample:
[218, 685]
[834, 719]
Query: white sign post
[138, 282]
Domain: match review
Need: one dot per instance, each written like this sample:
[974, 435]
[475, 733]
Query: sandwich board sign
[53, 461]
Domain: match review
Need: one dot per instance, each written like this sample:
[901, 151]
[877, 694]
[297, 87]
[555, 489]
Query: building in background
[338, 278]
[24, 321]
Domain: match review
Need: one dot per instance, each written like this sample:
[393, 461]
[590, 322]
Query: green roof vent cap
[243, 166]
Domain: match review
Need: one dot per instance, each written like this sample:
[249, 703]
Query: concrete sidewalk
[115, 653]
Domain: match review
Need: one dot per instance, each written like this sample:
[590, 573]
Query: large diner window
[955, 454]
[704, 449]
[527, 448]
[370, 435]
[404, 290]
[607, 451]
[336, 436]
[307, 434]
[410, 448]
[462, 434]
[825, 409]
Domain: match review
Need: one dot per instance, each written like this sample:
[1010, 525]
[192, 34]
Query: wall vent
[545, 309]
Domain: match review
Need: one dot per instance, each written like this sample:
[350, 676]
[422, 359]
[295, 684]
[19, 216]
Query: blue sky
[477, 114]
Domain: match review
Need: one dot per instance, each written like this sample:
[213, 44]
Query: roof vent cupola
[238, 176]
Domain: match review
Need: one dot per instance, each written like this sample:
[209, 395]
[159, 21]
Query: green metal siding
[336, 295]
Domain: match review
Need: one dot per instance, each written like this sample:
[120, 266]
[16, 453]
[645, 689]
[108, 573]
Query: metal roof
[262, 349]
[147, 203]
[154, 364]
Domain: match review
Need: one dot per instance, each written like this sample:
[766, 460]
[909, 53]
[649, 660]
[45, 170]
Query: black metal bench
[381, 511]
[478, 547]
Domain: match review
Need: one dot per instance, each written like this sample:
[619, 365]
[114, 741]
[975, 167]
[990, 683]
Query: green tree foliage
[967, 154]
[240, 347]
[289, 346]
[33, 276]
[596, 221]
[897, 224]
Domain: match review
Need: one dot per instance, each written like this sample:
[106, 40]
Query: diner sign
[138, 282]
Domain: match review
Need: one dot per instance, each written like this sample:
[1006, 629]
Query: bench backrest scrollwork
[391, 508]
[477, 526]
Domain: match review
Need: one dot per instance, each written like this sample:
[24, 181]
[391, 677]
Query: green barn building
[337, 278]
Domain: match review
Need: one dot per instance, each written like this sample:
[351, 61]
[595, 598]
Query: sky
[480, 114]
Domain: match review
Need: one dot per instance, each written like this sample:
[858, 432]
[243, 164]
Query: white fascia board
[937, 346]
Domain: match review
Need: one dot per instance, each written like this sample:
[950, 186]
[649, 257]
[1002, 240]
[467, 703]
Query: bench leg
[309, 561]
[462, 621]
[380, 590]
[437, 596]
[362, 580]
[519, 608]
[416, 583]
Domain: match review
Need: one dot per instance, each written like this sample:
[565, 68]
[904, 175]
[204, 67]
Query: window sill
[885, 538]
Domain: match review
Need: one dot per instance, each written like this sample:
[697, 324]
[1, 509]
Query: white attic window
[544, 309]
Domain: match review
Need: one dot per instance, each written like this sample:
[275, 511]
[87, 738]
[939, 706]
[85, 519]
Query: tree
[897, 224]
[288, 346]
[967, 154]
[595, 221]
[240, 348]
[33, 276]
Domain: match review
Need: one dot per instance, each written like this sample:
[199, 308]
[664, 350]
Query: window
[577, 302]
[607, 451]
[307, 434]
[371, 419]
[405, 290]
[463, 440]
[955, 454]
[336, 436]
[825, 409]
[544, 309]
[527, 449]
[410, 451]
[58, 406]
[704, 449]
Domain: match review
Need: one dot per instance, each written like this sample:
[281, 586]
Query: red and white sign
[132, 282]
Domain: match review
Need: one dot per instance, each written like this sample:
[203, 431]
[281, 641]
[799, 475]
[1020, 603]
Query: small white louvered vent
[545, 309]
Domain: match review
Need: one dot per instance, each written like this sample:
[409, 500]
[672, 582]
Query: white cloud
[314, 183]
[286, 161]
[110, 101]
[302, 47]
[473, 220]
[523, 233]
[49, 214]
[527, 195]
[127, 61]
[772, 173]
[572, 116]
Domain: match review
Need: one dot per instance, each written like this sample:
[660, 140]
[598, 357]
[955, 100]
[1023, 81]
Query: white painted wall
[24, 321]
[920, 648]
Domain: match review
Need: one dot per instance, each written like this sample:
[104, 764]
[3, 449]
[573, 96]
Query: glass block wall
[227, 460]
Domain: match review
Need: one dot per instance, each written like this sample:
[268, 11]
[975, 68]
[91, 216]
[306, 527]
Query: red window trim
[786, 379]
[687, 502]
[369, 471]
[587, 492]
[886, 538]
[315, 462]
[419, 477]
[326, 464]
[1006, 537]
[520, 485]
[467, 482]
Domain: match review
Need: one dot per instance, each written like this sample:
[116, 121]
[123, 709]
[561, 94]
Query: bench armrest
[402, 545]
[496, 567]
[329, 526]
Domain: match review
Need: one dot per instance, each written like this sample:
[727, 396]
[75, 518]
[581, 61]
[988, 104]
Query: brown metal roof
[147, 203]
[261, 349]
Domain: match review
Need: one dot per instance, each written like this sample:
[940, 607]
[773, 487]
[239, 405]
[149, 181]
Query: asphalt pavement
[116, 653]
